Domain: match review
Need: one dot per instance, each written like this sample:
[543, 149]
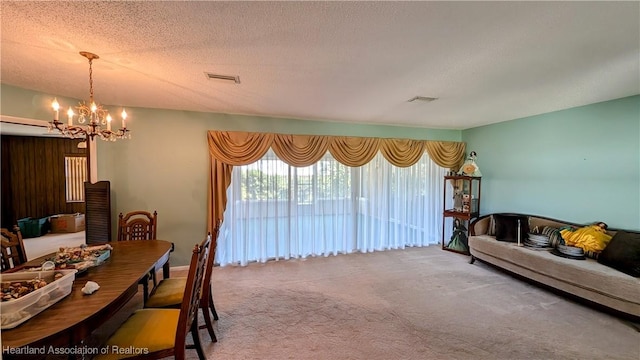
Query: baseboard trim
[179, 268]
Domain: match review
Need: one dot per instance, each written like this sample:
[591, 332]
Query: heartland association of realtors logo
[74, 350]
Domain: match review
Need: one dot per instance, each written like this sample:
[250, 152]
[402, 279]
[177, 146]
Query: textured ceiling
[340, 61]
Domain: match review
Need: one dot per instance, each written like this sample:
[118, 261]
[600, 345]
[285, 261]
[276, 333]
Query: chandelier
[93, 119]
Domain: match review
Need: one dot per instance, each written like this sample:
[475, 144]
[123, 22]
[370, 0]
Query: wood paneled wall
[33, 179]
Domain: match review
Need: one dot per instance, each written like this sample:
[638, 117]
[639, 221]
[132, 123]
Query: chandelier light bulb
[109, 122]
[56, 107]
[124, 119]
[70, 115]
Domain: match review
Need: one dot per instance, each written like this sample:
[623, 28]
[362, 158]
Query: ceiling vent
[422, 98]
[212, 76]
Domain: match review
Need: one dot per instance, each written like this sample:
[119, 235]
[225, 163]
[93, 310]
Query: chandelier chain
[91, 80]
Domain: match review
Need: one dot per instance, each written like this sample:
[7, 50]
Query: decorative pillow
[492, 226]
[507, 227]
[553, 233]
[623, 253]
[589, 238]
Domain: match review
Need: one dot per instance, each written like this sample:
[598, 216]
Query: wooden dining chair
[137, 225]
[140, 225]
[13, 253]
[168, 293]
[163, 332]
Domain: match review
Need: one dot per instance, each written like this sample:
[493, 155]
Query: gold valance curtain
[229, 148]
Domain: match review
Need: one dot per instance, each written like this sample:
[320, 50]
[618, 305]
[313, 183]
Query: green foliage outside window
[329, 180]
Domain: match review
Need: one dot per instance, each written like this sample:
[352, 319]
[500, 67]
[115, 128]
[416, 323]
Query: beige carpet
[418, 303]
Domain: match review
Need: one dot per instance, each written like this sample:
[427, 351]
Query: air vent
[422, 98]
[212, 76]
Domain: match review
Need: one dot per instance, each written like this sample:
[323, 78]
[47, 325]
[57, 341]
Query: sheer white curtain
[400, 207]
[276, 211]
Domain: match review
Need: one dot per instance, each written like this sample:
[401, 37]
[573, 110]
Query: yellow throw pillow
[588, 238]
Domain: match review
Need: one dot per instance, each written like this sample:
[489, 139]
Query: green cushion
[168, 293]
[146, 330]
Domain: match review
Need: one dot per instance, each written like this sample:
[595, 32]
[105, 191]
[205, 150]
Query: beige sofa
[586, 279]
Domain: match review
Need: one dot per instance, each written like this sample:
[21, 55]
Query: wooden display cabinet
[457, 214]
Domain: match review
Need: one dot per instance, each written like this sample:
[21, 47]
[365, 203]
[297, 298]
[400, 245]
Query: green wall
[579, 165]
[165, 165]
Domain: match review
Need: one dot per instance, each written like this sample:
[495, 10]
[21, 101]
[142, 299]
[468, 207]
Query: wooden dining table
[72, 319]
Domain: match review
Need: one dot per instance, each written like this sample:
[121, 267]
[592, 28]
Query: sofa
[588, 278]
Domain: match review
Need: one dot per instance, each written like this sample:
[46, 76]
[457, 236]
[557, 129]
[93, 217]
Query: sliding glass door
[277, 211]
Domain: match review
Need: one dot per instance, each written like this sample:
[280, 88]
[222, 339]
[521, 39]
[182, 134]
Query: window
[277, 211]
[75, 172]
